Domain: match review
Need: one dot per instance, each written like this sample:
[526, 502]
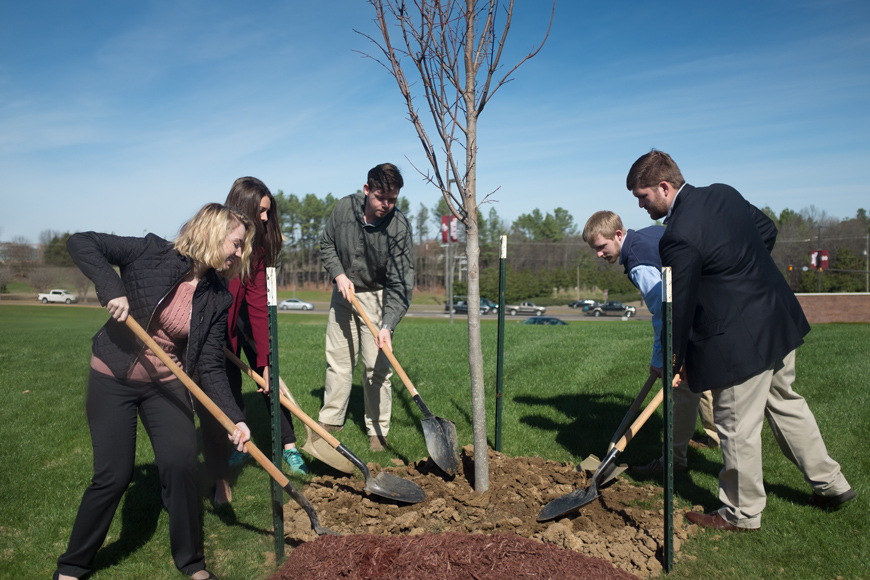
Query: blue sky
[127, 117]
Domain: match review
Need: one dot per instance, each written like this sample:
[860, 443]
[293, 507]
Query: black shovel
[276, 473]
[313, 445]
[592, 463]
[440, 434]
[384, 484]
[580, 497]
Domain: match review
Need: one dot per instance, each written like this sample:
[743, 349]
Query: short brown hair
[602, 222]
[385, 178]
[653, 168]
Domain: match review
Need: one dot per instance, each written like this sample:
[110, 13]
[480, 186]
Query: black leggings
[167, 414]
[215, 445]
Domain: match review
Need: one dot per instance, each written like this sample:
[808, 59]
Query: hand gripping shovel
[440, 434]
[592, 463]
[230, 426]
[384, 484]
[578, 498]
[318, 448]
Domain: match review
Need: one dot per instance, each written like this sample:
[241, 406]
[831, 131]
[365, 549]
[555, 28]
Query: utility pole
[819, 258]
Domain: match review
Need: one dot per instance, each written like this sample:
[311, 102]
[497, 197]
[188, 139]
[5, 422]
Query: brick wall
[852, 307]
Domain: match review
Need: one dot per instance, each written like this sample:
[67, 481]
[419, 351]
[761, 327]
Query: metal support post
[667, 380]
[277, 451]
[499, 369]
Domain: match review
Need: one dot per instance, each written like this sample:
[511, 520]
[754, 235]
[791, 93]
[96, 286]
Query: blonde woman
[174, 290]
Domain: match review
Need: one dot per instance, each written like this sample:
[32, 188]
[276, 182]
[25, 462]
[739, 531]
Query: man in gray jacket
[367, 250]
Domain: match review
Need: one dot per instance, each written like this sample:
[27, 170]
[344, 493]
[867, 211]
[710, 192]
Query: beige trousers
[688, 406]
[740, 410]
[347, 336]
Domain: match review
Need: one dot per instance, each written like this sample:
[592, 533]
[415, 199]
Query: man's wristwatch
[388, 327]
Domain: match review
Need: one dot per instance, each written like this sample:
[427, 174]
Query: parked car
[582, 304]
[59, 295]
[493, 307]
[295, 304]
[461, 307]
[544, 320]
[524, 307]
[456, 300]
[612, 307]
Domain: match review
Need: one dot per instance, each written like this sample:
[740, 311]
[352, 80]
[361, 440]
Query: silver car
[295, 304]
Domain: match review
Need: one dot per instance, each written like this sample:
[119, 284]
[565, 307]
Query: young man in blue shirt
[638, 252]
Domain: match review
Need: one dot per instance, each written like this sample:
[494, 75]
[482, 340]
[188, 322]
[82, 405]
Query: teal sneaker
[295, 461]
[238, 458]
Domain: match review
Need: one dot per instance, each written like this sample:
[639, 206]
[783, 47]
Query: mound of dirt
[623, 527]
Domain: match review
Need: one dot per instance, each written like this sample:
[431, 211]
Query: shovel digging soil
[384, 484]
[579, 497]
[276, 473]
[440, 434]
[592, 463]
[315, 447]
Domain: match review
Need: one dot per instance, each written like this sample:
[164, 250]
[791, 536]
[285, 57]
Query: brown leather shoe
[715, 522]
[377, 442]
[331, 428]
[655, 466]
[703, 443]
[829, 502]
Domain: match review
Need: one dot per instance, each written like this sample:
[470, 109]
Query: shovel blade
[442, 443]
[320, 449]
[568, 503]
[394, 488]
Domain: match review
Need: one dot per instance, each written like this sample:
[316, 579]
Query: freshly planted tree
[455, 49]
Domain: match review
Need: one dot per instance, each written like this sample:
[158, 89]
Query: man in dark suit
[736, 325]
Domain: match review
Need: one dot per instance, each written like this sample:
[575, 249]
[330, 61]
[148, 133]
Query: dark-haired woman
[248, 330]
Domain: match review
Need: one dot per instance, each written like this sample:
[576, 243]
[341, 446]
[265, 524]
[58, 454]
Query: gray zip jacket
[375, 256]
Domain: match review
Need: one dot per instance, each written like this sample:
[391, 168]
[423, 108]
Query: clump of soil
[623, 527]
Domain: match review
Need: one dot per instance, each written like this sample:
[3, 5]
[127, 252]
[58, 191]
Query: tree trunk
[472, 251]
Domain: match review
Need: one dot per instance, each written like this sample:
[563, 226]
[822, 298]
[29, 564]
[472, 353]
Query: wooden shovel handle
[286, 400]
[635, 427]
[638, 401]
[396, 366]
[206, 402]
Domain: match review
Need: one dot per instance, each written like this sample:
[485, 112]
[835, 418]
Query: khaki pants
[688, 406]
[740, 410]
[347, 336]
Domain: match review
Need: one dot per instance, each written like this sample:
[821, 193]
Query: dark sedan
[582, 304]
[611, 307]
[544, 321]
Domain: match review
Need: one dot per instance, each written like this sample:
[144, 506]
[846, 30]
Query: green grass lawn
[566, 390]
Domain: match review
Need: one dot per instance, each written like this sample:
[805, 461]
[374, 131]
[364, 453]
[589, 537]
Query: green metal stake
[499, 368]
[277, 455]
[667, 381]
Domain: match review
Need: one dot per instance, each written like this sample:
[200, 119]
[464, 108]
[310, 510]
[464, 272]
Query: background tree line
[547, 259]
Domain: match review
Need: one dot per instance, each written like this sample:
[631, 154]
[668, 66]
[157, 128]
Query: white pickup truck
[525, 307]
[63, 296]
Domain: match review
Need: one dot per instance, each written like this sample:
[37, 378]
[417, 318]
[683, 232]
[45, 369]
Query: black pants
[167, 414]
[215, 445]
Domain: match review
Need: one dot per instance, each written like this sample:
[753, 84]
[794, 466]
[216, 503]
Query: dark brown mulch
[452, 556]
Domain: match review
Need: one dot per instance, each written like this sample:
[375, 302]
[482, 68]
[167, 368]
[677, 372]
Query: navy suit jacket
[733, 312]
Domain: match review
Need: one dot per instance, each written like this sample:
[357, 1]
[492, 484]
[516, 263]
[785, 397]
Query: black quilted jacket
[150, 267]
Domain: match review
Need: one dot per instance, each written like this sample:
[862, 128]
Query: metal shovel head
[441, 441]
[395, 488]
[320, 449]
[568, 503]
[592, 463]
